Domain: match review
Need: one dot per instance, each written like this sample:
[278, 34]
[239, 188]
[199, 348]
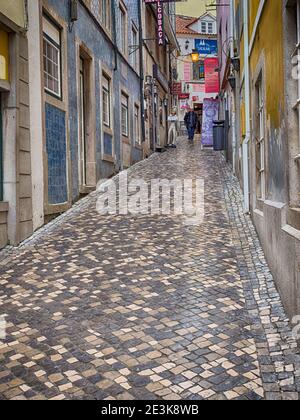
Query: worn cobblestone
[145, 307]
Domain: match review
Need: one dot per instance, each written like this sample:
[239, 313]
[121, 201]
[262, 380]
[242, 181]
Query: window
[137, 124]
[52, 58]
[125, 115]
[105, 13]
[123, 34]
[106, 101]
[198, 71]
[202, 70]
[134, 52]
[260, 142]
[210, 28]
[203, 27]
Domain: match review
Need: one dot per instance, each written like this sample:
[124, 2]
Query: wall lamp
[236, 63]
[195, 56]
[232, 81]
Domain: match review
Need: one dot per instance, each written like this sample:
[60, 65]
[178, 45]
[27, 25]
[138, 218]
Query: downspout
[142, 76]
[247, 112]
[114, 19]
[233, 105]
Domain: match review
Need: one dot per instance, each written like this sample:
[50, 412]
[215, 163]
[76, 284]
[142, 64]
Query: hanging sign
[206, 46]
[160, 19]
[176, 88]
[212, 81]
[160, 24]
[184, 96]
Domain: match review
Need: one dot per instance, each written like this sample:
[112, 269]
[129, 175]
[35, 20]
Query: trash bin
[219, 135]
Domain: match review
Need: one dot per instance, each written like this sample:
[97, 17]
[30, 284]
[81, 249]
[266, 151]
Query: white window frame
[105, 14]
[135, 43]
[105, 71]
[52, 37]
[204, 31]
[123, 29]
[125, 107]
[137, 124]
[210, 25]
[106, 107]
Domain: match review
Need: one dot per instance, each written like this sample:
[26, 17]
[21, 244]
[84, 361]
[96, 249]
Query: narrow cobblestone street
[123, 307]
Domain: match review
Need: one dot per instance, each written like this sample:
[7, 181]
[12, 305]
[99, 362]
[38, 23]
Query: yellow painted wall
[253, 8]
[4, 56]
[14, 10]
[269, 40]
[193, 8]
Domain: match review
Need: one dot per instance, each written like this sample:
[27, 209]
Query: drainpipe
[247, 111]
[233, 105]
[114, 19]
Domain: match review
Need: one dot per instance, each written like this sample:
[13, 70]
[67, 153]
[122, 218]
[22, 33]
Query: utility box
[219, 135]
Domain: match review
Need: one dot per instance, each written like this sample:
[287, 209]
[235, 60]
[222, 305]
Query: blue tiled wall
[108, 144]
[86, 31]
[57, 157]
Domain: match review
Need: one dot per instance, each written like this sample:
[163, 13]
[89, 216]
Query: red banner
[212, 81]
[184, 96]
[176, 88]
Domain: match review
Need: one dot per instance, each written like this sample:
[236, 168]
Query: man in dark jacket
[191, 121]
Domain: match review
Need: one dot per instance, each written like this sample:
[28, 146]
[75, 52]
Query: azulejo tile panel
[57, 155]
[108, 144]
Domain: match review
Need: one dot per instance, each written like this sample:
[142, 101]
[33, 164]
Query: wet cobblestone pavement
[146, 307]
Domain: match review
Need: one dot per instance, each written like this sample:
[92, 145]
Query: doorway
[82, 122]
[198, 108]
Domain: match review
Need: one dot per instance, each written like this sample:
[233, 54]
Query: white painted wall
[36, 129]
[197, 26]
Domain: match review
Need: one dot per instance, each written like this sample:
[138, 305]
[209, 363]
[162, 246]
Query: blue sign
[206, 46]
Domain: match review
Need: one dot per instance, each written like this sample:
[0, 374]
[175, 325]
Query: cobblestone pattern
[146, 307]
[278, 355]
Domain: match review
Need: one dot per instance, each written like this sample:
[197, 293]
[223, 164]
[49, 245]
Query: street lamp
[195, 56]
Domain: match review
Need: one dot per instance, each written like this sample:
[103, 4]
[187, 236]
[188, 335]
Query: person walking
[191, 121]
[172, 135]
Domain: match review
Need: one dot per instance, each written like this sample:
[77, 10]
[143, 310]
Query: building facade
[15, 148]
[264, 62]
[198, 34]
[89, 101]
[227, 79]
[158, 74]
[85, 93]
